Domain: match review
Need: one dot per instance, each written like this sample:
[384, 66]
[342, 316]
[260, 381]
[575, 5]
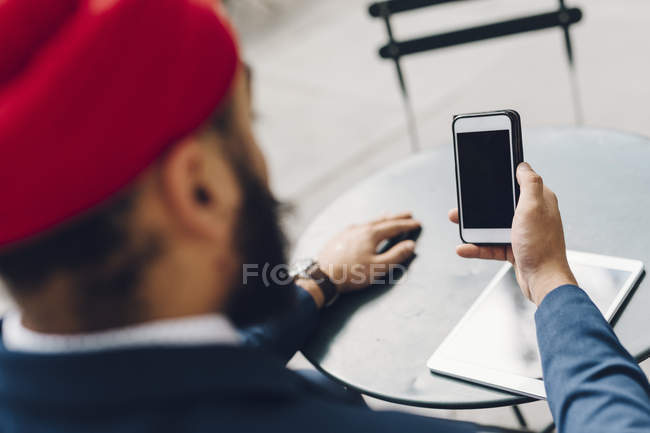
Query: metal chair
[394, 50]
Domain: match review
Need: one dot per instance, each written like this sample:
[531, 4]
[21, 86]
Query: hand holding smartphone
[487, 149]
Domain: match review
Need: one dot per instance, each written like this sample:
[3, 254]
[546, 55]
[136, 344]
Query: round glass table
[378, 341]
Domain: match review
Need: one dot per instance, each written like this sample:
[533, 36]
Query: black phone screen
[486, 187]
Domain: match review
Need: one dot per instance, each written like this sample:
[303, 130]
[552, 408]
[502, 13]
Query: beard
[262, 245]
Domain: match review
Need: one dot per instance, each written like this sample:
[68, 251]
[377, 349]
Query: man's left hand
[350, 259]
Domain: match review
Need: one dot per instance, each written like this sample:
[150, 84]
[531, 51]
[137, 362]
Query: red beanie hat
[92, 91]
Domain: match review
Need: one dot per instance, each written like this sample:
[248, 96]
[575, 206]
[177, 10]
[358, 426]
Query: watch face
[300, 266]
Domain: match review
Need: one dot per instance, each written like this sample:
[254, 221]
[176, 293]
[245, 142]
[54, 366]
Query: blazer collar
[121, 377]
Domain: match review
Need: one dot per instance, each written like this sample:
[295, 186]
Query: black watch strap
[330, 292]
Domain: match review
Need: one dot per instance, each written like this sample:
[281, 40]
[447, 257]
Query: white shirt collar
[188, 331]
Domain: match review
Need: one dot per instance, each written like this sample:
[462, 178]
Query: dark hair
[88, 240]
[95, 254]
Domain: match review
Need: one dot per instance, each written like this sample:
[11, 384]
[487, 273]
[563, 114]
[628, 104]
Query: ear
[200, 190]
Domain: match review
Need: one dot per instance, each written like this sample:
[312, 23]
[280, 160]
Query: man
[133, 199]
[592, 383]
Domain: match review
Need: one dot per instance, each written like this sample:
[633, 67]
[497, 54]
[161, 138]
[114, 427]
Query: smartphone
[487, 149]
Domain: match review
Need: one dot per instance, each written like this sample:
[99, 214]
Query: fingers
[394, 227]
[398, 254]
[470, 251]
[453, 216]
[389, 217]
[530, 183]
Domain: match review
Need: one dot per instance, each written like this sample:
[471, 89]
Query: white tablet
[495, 343]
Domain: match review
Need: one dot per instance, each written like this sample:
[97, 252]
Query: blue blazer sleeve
[592, 383]
[285, 335]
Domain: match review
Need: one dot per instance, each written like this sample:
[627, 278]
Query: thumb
[530, 183]
[398, 254]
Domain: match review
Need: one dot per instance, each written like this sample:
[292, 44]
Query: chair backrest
[563, 18]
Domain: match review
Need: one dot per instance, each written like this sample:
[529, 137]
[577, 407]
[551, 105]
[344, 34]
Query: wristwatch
[309, 269]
